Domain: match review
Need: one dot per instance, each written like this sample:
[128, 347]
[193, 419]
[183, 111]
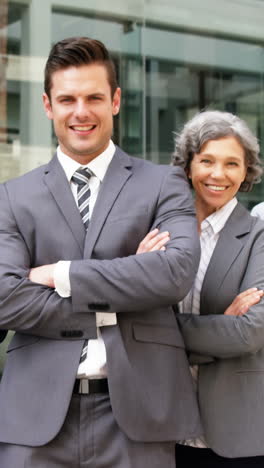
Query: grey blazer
[151, 390]
[231, 380]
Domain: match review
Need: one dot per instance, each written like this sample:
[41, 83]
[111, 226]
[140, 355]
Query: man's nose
[82, 110]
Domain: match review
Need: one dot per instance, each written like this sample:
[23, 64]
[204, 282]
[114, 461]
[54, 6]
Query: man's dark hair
[75, 52]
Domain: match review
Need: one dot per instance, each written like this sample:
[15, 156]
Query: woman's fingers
[242, 303]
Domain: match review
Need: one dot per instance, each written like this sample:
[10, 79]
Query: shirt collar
[218, 219]
[98, 165]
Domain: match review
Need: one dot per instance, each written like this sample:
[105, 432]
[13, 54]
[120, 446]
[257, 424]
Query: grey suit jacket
[231, 383]
[150, 386]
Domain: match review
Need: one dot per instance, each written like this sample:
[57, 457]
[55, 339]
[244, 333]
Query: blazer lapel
[59, 186]
[118, 172]
[230, 243]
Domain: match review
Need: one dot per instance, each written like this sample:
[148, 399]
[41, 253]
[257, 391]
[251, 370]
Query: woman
[222, 319]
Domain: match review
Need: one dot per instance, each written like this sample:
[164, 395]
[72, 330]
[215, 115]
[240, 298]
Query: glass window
[171, 62]
[183, 81]
[123, 39]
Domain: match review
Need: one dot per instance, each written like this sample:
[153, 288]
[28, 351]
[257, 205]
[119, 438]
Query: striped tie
[81, 178]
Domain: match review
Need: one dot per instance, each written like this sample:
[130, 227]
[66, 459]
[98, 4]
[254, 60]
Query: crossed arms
[229, 336]
[134, 283]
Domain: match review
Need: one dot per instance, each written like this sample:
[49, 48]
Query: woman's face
[217, 173]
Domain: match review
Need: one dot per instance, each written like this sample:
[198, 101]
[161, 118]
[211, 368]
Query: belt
[87, 386]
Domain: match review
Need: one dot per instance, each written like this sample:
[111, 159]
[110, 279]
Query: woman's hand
[154, 240]
[244, 301]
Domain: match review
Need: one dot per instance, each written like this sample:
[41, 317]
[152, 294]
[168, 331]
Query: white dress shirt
[94, 366]
[210, 231]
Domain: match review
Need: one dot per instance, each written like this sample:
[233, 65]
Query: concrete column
[3, 109]
[153, 97]
[35, 128]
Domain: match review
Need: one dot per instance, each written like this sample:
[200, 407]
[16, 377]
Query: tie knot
[82, 176]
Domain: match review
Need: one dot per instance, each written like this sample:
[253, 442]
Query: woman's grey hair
[212, 125]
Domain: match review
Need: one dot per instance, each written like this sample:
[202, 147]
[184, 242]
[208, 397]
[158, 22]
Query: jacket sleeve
[133, 283]
[25, 306]
[224, 336]
[149, 280]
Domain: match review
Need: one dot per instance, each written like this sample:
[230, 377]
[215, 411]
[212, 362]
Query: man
[69, 273]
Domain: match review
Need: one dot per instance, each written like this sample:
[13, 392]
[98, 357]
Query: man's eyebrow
[63, 95]
[99, 93]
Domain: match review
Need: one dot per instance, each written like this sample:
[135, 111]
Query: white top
[210, 231]
[258, 210]
[94, 366]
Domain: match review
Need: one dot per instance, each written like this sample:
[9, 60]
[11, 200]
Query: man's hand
[242, 303]
[43, 275]
[154, 240]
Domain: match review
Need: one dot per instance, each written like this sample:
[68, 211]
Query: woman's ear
[188, 172]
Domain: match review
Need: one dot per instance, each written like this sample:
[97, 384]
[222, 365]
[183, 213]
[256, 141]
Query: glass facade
[173, 58]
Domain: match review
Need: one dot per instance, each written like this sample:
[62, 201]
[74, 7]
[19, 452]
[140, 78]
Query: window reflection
[166, 74]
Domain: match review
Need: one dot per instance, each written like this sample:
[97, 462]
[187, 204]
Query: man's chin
[83, 156]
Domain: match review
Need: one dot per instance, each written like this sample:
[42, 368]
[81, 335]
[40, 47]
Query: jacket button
[71, 333]
[99, 307]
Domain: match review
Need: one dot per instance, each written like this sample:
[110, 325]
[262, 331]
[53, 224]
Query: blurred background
[174, 57]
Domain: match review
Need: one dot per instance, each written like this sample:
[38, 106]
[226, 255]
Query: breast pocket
[129, 215]
[123, 233]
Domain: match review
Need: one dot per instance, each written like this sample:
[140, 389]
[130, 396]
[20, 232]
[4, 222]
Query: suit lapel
[118, 172]
[228, 247]
[59, 186]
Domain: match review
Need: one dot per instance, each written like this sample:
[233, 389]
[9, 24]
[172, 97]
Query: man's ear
[116, 101]
[47, 106]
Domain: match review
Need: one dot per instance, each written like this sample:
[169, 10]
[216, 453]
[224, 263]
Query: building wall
[174, 57]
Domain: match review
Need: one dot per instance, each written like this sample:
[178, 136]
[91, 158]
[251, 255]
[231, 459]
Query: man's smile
[82, 128]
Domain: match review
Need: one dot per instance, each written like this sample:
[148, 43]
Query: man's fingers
[150, 235]
[160, 244]
[143, 244]
[154, 240]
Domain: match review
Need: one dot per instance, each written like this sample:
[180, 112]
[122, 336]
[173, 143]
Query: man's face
[82, 110]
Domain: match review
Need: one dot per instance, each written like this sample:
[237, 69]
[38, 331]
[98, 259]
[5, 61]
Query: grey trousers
[89, 438]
